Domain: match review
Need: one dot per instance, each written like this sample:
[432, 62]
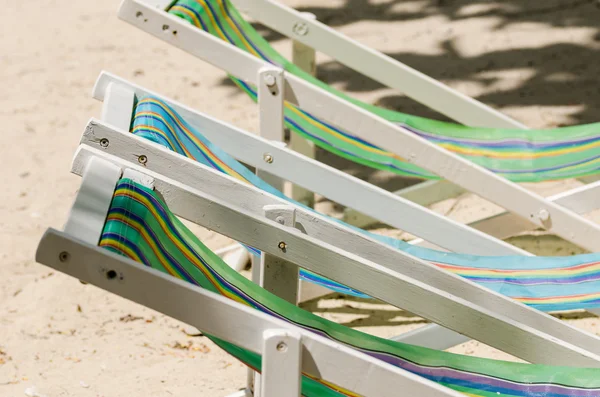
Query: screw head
[111, 274]
[280, 220]
[104, 142]
[270, 80]
[268, 158]
[64, 256]
[282, 245]
[281, 347]
[300, 28]
[142, 159]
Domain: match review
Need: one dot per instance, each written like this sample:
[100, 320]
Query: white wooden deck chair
[501, 223]
[289, 235]
[298, 353]
[120, 95]
[274, 86]
[292, 356]
[122, 104]
[310, 35]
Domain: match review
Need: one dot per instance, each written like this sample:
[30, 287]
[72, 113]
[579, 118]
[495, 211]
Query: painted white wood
[580, 200]
[376, 130]
[118, 108]
[281, 364]
[376, 65]
[334, 184]
[88, 213]
[277, 275]
[387, 281]
[432, 336]
[228, 320]
[304, 57]
[271, 118]
[424, 193]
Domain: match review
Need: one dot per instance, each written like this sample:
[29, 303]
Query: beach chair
[368, 135]
[324, 249]
[124, 215]
[309, 35]
[158, 119]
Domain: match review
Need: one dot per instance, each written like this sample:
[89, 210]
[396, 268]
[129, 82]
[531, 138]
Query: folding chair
[123, 100]
[313, 103]
[128, 211]
[327, 254]
[309, 35]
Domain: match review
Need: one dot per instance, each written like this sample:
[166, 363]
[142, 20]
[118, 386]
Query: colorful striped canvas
[548, 284]
[140, 226]
[519, 155]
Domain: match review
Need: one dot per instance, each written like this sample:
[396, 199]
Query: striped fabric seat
[519, 155]
[546, 283]
[140, 226]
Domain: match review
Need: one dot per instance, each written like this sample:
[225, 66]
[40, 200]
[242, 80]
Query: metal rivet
[300, 28]
[544, 215]
[281, 347]
[142, 159]
[282, 245]
[270, 80]
[63, 256]
[104, 142]
[268, 158]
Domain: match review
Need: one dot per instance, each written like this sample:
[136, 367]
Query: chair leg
[281, 364]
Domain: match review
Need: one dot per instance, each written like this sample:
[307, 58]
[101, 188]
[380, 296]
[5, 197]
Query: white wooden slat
[373, 279]
[226, 319]
[118, 107]
[277, 275]
[281, 364]
[88, 213]
[304, 57]
[580, 200]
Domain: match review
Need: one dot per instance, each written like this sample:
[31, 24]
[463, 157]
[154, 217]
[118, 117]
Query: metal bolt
[270, 80]
[282, 245]
[143, 159]
[104, 142]
[300, 28]
[63, 256]
[281, 347]
[268, 158]
[544, 215]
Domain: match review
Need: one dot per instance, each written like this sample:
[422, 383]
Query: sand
[535, 60]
